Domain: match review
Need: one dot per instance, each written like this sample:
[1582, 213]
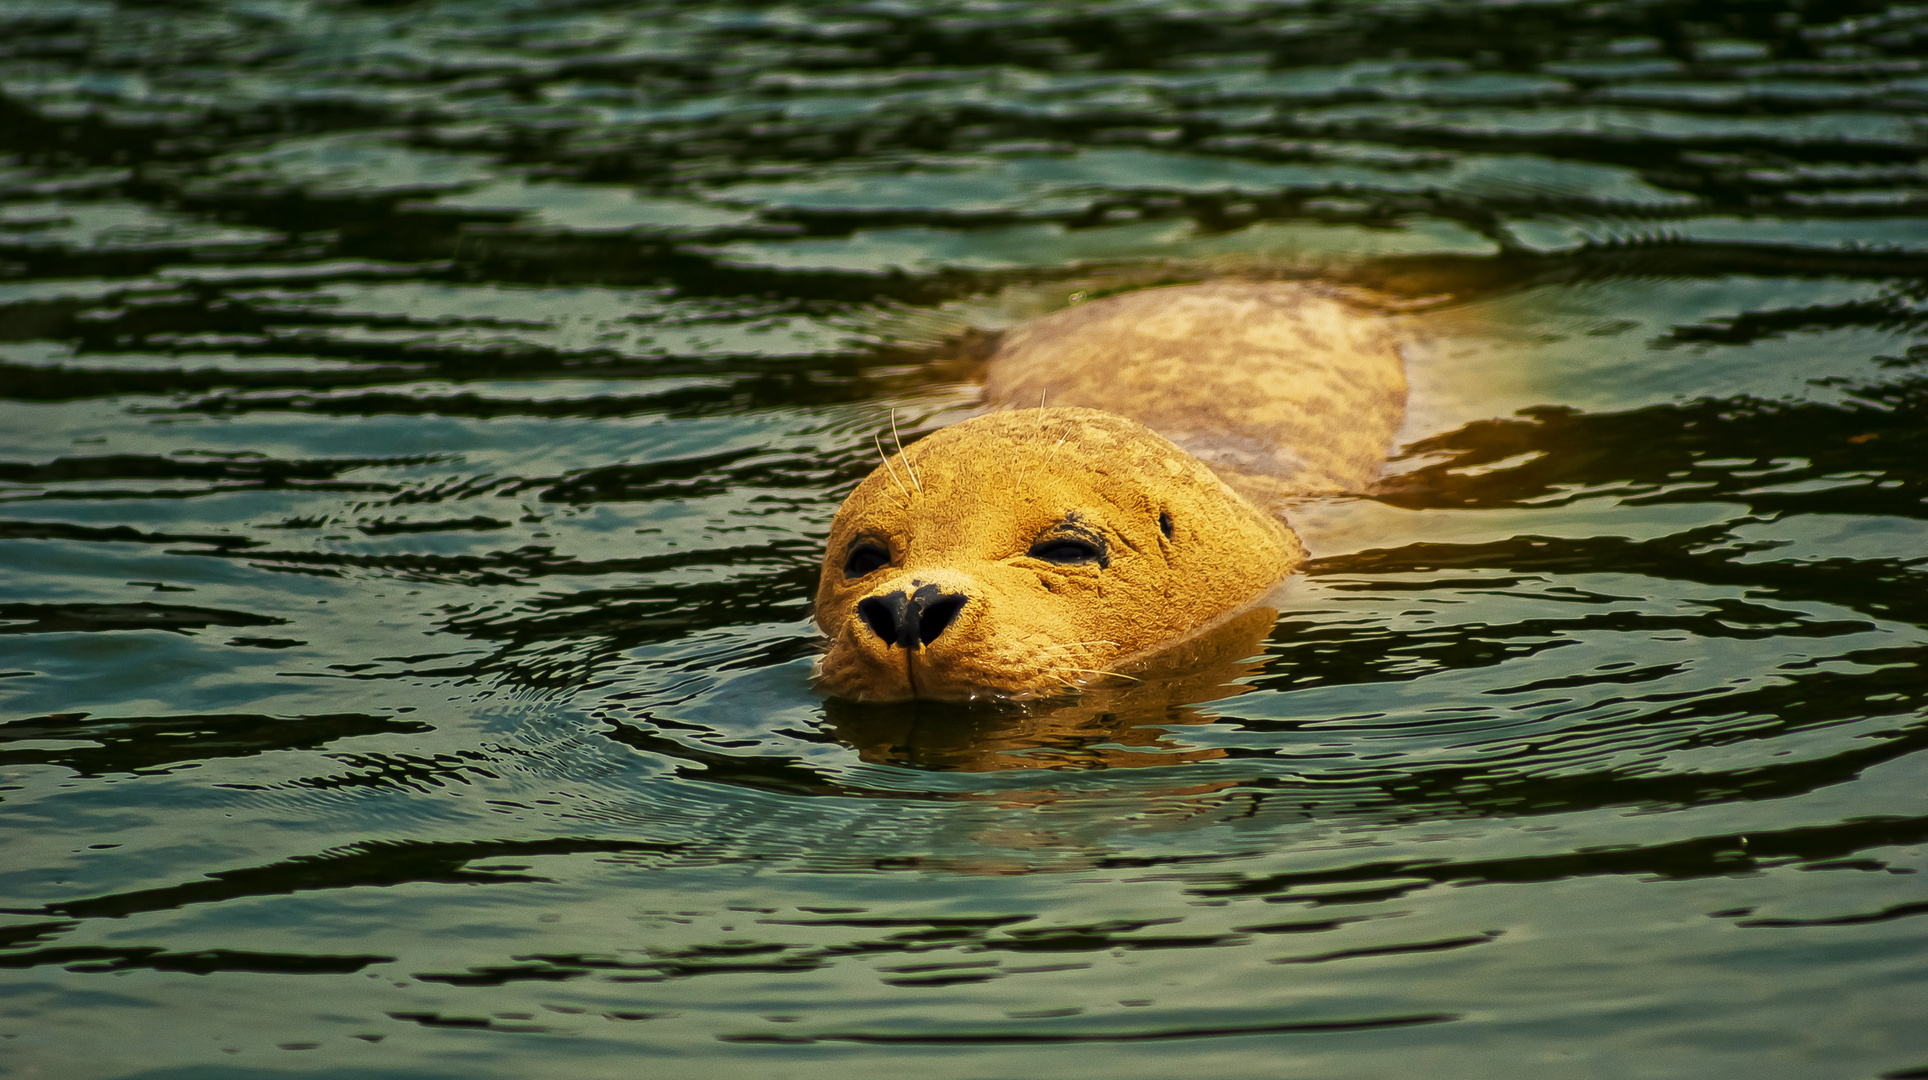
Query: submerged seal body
[1283, 388]
[1037, 549]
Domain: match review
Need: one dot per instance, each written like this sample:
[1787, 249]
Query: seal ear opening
[1165, 523]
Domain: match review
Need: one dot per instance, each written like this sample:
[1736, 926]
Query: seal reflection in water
[1030, 551]
[1128, 724]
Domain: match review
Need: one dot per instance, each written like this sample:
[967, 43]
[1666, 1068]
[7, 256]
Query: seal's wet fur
[1035, 549]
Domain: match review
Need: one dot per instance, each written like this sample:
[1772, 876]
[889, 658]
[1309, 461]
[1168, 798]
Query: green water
[419, 421]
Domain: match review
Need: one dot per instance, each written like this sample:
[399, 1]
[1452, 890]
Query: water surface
[419, 421]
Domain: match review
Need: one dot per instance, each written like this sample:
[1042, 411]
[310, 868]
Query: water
[419, 423]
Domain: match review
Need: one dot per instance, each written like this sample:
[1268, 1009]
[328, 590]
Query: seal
[1033, 550]
[1020, 552]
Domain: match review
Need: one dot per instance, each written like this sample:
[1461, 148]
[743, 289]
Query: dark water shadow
[125, 744]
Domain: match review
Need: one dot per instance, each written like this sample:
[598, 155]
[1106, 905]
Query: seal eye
[1067, 551]
[865, 559]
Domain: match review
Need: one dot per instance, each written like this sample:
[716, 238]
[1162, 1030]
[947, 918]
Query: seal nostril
[881, 614]
[909, 620]
[937, 616]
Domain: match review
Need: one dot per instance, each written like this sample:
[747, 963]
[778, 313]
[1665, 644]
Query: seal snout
[910, 620]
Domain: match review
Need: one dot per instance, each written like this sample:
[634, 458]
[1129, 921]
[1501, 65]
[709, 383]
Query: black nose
[908, 620]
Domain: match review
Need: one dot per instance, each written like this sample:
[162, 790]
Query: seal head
[1030, 552]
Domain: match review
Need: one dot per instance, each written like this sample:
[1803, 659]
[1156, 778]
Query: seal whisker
[919, 484]
[1098, 671]
[1076, 644]
[1054, 449]
[1022, 469]
[879, 440]
[1027, 468]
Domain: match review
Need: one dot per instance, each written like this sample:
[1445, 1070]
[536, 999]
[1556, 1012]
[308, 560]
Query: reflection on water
[419, 423]
[1113, 725]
